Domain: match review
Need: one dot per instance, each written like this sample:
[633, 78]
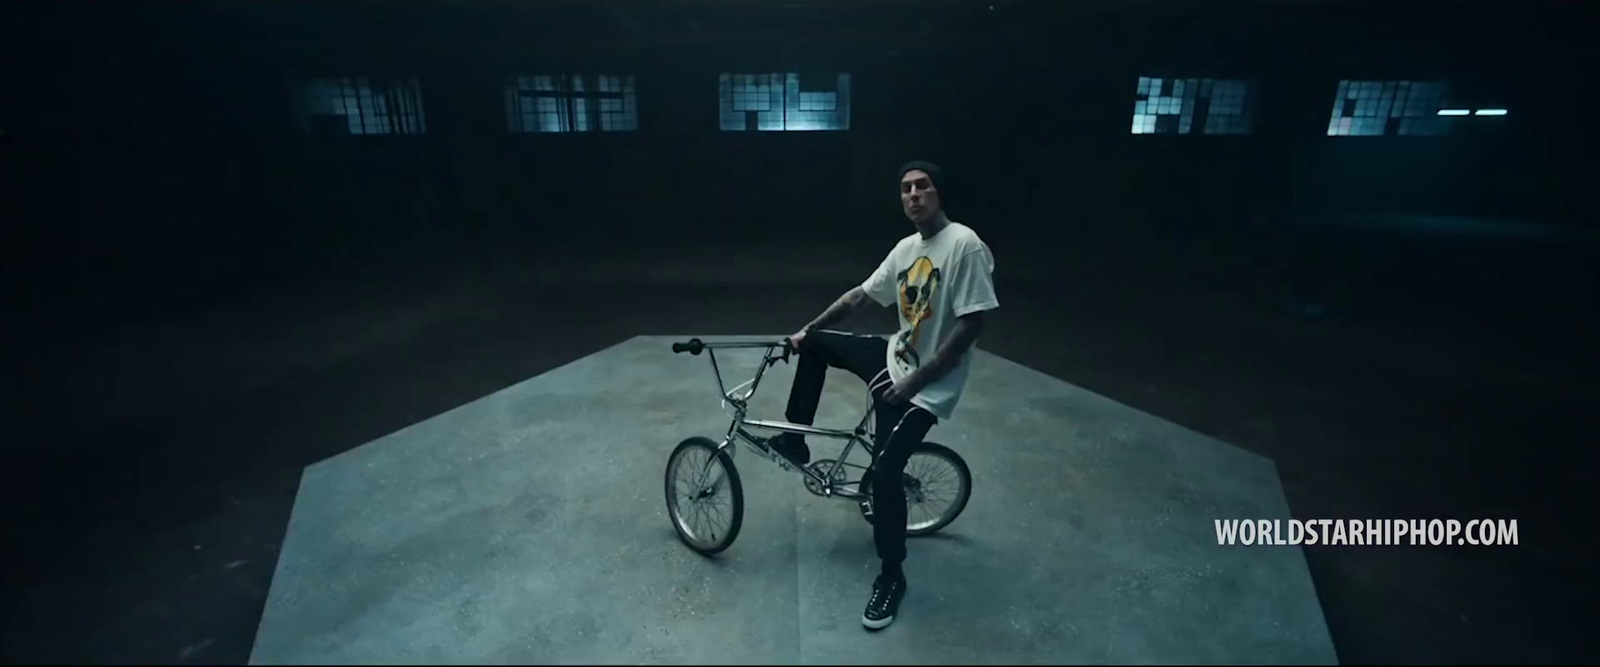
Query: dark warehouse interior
[214, 285]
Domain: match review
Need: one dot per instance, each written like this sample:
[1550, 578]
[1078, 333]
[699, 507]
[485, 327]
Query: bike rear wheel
[938, 486]
[705, 502]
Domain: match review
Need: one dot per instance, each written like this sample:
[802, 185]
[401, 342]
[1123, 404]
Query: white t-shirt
[935, 282]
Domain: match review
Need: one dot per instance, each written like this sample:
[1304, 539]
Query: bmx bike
[705, 496]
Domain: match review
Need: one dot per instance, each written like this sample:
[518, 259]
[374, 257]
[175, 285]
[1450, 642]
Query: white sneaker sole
[881, 623]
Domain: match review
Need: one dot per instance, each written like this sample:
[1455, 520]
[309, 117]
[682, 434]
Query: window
[1178, 106]
[571, 103]
[360, 106]
[776, 102]
[1378, 108]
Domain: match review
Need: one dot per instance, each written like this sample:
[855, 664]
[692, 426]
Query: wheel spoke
[693, 521]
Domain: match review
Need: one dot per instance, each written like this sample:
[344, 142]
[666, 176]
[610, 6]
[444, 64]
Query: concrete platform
[529, 527]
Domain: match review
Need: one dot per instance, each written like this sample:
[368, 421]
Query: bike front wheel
[705, 498]
[938, 485]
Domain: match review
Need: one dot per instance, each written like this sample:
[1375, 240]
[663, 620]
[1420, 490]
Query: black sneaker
[885, 602]
[791, 446]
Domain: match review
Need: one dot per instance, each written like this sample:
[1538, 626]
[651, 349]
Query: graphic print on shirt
[917, 286]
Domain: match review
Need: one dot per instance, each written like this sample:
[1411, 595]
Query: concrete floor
[528, 527]
[150, 467]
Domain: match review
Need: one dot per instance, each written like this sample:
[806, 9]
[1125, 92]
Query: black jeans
[899, 428]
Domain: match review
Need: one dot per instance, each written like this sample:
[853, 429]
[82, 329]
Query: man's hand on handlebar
[797, 338]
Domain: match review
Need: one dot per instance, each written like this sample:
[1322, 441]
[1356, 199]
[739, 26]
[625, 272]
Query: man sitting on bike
[941, 279]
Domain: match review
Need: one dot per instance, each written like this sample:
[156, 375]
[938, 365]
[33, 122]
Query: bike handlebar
[695, 345]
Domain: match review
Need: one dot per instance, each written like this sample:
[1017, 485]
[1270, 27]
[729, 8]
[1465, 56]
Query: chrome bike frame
[739, 399]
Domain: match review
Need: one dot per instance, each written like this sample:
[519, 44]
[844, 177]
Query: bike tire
[716, 540]
[963, 474]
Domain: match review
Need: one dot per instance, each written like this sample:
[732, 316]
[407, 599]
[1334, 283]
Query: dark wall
[1526, 165]
[152, 143]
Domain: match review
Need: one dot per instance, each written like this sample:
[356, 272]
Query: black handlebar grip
[692, 347]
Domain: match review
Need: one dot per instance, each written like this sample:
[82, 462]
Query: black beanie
[935, 174]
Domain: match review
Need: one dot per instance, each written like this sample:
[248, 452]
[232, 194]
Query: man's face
[918, 197]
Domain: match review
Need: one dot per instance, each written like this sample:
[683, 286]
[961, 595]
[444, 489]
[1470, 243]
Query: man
[941, 279]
